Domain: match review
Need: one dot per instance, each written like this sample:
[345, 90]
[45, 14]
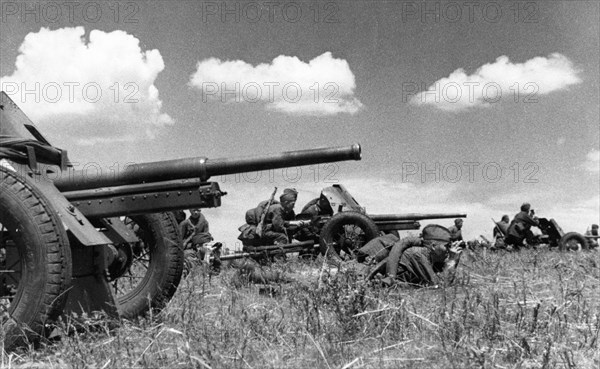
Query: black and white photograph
[299, 184]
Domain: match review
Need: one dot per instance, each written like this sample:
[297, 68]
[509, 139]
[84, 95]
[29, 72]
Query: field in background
[533, 309]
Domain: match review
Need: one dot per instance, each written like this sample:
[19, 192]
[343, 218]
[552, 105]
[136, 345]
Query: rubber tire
[165, 268]
[46, 270]
[337, 222]
[572, 236]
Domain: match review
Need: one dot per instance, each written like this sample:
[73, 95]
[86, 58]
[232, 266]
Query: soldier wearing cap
[421, 261]
[194, 230]
[455, 230]
[278, 217]
[520, 227]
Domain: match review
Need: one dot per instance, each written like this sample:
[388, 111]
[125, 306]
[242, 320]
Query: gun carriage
[551, 235]
[345, 226]
[554, 236]
[73, 243]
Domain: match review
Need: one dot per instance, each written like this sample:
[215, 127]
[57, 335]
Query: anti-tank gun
[342, 226]
[77, 243]
[551, 235]
[554, 236]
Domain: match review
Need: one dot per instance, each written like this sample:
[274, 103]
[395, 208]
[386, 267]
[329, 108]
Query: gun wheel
[35, 261]
[345, 233]
[573, 241]
[155, 271]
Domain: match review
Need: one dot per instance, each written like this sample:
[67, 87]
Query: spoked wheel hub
[345, 233]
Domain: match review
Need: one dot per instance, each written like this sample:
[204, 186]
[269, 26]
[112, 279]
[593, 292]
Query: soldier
[455, 230]
[421, 261]
[520, 227]
[276, 221]
[593, 231]
[278, 217]
[377, 249]
[313, 209]
[500, 232]
[194, 232]
[318, 206]
[179, 216]
[501, 228]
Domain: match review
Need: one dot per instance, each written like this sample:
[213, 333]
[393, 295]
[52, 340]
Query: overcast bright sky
[467, 106]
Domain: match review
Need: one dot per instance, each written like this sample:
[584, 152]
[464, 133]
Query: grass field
[533, 309]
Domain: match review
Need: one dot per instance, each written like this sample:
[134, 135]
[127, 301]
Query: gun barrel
[414, 216]
[204, 168]
[271, 250]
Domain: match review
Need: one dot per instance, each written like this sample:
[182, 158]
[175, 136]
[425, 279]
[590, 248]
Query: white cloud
[322, 86]
[101, 90]
[499, 81]
[576, 216]
[592, 162]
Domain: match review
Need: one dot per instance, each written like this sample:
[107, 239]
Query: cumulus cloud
[101, 90]
[592, 162]
[495, 82]
[576, 216]
[322, 86]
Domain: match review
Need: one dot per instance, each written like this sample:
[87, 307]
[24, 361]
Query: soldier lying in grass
[429, 260]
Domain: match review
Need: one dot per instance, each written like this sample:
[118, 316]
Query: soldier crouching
[275, 223]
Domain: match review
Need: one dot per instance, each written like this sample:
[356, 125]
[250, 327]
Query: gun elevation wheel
[345, 233]
[156, 269]
[573, 241]
[35, 261]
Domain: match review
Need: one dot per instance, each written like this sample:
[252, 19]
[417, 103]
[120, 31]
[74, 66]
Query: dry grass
[533, 309]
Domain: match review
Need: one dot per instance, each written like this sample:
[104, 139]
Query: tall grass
[533, 309]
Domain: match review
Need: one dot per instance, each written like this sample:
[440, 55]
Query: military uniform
[317, 207]
[313, 209]
[275, 222]
[195, 234]
[520, 229]
[455, 233]
[417, 266]
[421, 261]
[179, 216]
[501, 229]
[593, 231]
[455, 230]
[198, 229]
[377, 249]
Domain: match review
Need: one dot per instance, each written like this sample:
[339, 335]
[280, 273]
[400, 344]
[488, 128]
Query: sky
[470, 107]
